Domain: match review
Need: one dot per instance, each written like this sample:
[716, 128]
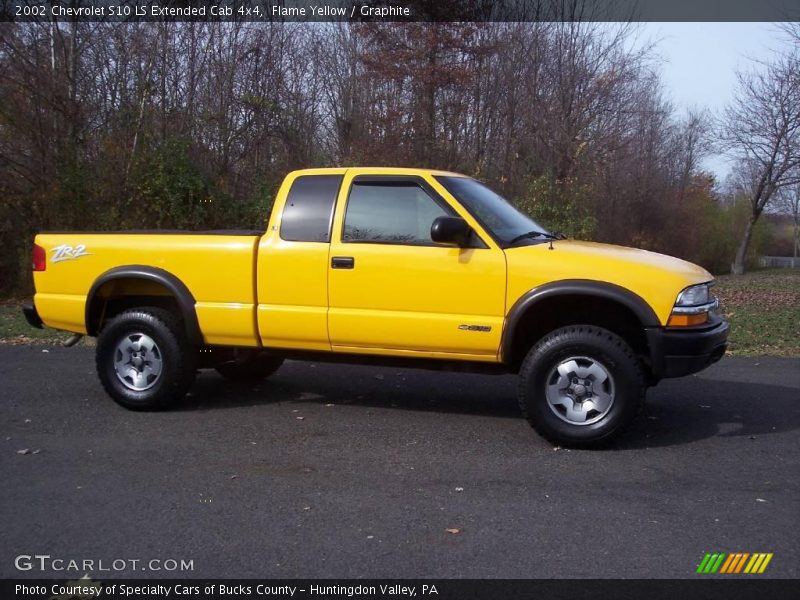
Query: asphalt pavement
[346, 471]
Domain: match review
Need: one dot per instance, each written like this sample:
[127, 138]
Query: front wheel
[580, 386]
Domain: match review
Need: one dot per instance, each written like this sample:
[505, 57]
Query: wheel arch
[547, 307]
[141, 281]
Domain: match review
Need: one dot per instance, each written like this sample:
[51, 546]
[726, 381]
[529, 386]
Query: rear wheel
[580, 386]
[144, 360]
[249, 367]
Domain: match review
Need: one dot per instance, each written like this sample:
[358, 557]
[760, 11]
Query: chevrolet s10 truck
[414, 267]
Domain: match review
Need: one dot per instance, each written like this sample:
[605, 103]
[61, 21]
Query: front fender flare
[573, 287]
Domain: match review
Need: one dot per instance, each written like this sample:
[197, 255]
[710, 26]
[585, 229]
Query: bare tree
[193, 125]
[761, 128]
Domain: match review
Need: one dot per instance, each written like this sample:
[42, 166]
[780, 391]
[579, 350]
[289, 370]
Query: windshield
[492, 211]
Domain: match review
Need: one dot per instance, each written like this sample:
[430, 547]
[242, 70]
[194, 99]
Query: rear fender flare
[178, 290]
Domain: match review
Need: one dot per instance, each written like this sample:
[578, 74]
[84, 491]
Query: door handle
[343, 262]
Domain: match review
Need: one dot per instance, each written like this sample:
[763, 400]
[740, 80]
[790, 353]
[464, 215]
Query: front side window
[494, 212]
[309, 208]
[391, 213]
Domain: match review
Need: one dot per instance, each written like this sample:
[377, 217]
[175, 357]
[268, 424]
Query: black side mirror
[451, 230]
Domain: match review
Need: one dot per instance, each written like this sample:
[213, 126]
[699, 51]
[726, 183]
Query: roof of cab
[373, 171]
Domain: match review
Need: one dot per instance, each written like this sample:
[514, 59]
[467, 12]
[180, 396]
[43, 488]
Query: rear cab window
[308, 212]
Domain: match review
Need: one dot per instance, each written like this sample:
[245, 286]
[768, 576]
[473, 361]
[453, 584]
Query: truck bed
[224, 289]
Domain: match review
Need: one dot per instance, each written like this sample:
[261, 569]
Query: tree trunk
[741, 254]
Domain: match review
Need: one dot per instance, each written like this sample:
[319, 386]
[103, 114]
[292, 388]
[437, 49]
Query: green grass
[14, 329]
[756, 332]
[763, 308]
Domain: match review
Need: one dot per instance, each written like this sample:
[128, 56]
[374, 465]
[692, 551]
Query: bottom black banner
[400, 589]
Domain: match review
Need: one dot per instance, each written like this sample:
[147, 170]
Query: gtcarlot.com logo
[46, 562]
[734, 563]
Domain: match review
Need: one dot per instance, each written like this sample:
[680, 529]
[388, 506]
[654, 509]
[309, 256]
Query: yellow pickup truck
[414, 267]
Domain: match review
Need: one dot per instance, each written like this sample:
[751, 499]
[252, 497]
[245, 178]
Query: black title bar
[712, 588]
[398, 10]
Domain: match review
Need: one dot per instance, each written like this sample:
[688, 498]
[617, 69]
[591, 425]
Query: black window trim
[426, 187]
[330, 216]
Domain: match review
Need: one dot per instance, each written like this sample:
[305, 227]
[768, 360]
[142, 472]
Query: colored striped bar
[717, 563]
[737, 559]
[710, 563]
[765, 563]
[728, 564]
[735, 562]
[740, 564]
[701, 568]
[754, 563]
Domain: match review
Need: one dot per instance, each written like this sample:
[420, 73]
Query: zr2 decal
[65, 252]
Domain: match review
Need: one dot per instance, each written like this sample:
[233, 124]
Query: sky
[700, 61]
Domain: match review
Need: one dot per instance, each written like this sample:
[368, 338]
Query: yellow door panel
[448, 333]
[292, 263]
[292, 293]
[417, 296]
[297, 327]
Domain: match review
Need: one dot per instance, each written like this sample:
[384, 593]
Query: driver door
[392, 288]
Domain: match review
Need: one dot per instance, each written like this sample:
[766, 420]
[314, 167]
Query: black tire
[178, 360]
[579, 350]
[249, 368]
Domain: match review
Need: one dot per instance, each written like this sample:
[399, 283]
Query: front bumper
[677, 352]
[32, 316]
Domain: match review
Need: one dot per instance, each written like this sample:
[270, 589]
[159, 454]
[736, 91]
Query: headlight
[692, 306]
[693, 296]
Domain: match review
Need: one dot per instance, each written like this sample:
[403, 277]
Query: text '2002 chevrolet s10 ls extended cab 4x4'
[382, 265]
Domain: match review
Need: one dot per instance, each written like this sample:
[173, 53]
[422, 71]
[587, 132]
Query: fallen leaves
[763, 308]
[768, 298]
